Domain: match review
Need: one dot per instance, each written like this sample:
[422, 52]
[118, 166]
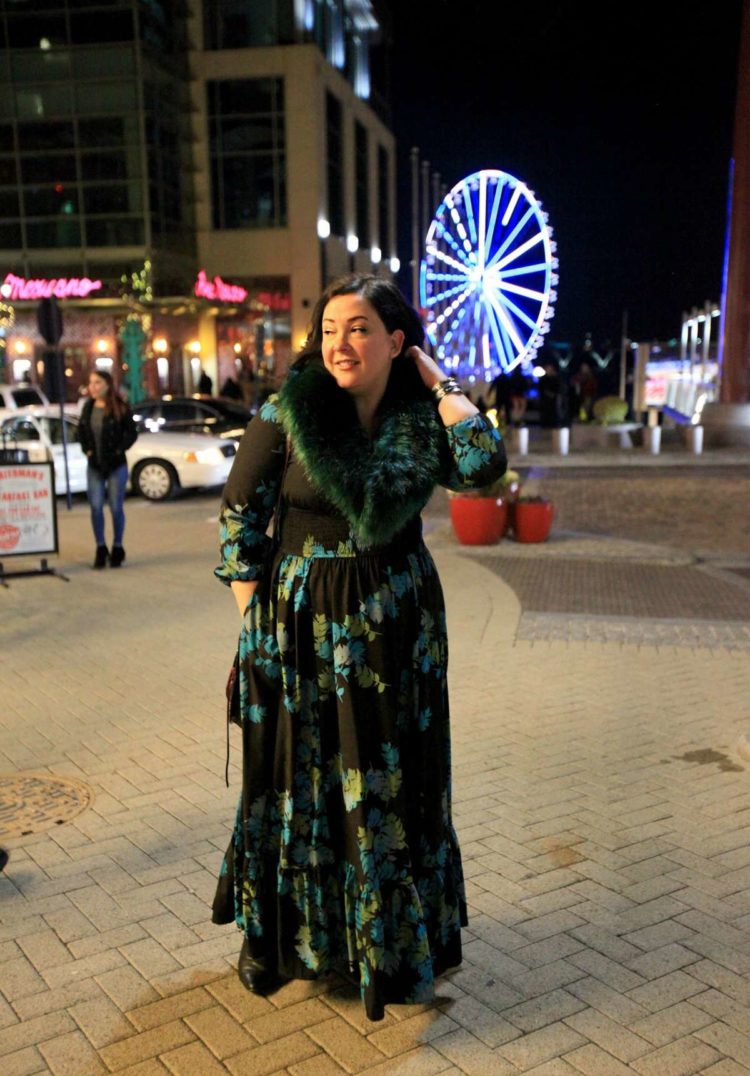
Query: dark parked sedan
[193, 414]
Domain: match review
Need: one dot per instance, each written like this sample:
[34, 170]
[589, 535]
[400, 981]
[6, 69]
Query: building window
[237, 24]
[57, 233]
[362, 186]
[384, 201]
[125, 232]
[248, 153]
[168, 155]
[335, 163]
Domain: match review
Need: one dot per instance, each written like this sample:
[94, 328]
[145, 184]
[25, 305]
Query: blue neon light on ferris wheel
[488, 278]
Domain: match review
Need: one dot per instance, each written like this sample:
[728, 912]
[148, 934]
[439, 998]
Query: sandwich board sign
[28, 513]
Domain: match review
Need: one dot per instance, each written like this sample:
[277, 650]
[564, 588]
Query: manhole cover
[32, 802]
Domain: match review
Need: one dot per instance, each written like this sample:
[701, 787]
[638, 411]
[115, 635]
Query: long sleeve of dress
[477, 454]
[250, 496]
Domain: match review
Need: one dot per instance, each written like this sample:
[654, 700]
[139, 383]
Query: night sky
[618, 115]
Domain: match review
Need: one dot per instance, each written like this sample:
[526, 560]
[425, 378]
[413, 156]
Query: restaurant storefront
[236, 332]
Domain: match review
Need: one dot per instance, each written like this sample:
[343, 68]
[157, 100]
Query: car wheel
[156, 480]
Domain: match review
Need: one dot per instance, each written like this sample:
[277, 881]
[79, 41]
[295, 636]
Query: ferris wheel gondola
[487, 281]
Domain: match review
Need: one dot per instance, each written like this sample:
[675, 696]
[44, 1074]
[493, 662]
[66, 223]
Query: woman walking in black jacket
[106, 431]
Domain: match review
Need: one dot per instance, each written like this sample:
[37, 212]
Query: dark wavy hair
[392, 309]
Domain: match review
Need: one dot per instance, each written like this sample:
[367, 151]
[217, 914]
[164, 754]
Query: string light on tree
[489, 274]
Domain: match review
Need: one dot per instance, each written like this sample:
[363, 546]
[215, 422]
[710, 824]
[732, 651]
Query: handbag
[232, 690]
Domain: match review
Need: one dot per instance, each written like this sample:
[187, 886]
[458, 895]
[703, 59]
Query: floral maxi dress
[343, 855]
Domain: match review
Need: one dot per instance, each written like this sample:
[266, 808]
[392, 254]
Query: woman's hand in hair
[428, 369]
[453, 408]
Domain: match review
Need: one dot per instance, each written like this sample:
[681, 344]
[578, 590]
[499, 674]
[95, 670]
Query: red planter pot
[478, 520]
[532, 520]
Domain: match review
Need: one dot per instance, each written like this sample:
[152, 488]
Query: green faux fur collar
[378, 483]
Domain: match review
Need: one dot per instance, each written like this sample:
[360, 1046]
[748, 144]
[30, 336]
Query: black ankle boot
[102, 554]
[255, 974]
[117, 556]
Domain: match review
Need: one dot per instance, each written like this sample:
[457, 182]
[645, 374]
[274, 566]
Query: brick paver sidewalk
[603, 810]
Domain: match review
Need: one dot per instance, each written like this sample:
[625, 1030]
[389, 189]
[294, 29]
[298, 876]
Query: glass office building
[95, 152]
[145, 141]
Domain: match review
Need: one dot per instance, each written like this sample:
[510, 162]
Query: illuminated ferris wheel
[488, 278]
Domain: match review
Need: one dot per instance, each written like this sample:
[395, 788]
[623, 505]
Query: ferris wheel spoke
[528, 293]
[452, 243]
[464, 262]
[521, 250]
[461, 308]
[470, 215]
[472, 352]
[540, 267]
[510, 350]
[509, 239]
[504, 354]
[448, 312]
[482, 242]
[443, 257]
[495, 208]
[443, 296]
[506, 321]
[510, 209]
[520, 315]
[447, 277]
[460, 230]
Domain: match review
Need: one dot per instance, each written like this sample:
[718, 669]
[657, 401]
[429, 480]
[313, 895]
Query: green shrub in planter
[610, 410]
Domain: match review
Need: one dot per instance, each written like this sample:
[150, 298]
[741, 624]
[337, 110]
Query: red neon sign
[15, 287]
[274, 300]
[218, 289]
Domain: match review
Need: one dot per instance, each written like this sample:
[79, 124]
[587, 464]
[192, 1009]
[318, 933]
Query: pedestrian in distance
[106, 431]
[343, 856]
[231, 389]
[552, 403]
[205, 384]
[585, 387]
[247, 385]
[500, 397]
[518, 384]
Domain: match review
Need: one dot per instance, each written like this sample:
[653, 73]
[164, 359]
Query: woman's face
[97, 387]
[357, 348]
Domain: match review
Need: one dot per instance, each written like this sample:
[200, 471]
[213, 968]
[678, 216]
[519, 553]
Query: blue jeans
[111, 489]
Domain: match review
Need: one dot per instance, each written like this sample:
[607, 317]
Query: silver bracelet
[447, 387]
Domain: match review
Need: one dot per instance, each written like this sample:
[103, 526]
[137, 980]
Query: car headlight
[212, 456]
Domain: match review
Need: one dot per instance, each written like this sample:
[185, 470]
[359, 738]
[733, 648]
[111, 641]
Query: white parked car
[15, 398]
[159, 463]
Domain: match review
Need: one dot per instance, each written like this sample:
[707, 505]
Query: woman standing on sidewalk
[106, 431]
[344, 855]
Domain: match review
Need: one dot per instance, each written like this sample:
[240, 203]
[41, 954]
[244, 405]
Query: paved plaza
[600, 687]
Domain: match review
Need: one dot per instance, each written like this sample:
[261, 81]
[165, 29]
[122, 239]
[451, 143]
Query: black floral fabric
[343, 855]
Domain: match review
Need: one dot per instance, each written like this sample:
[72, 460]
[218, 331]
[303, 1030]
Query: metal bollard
[521, 441]
[561, 441]
[695, 439]
[652, 437]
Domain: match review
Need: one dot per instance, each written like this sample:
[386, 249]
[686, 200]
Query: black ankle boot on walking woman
[117, 556]
[102, 555]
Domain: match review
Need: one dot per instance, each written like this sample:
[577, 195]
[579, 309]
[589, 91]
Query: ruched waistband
[312, 535]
